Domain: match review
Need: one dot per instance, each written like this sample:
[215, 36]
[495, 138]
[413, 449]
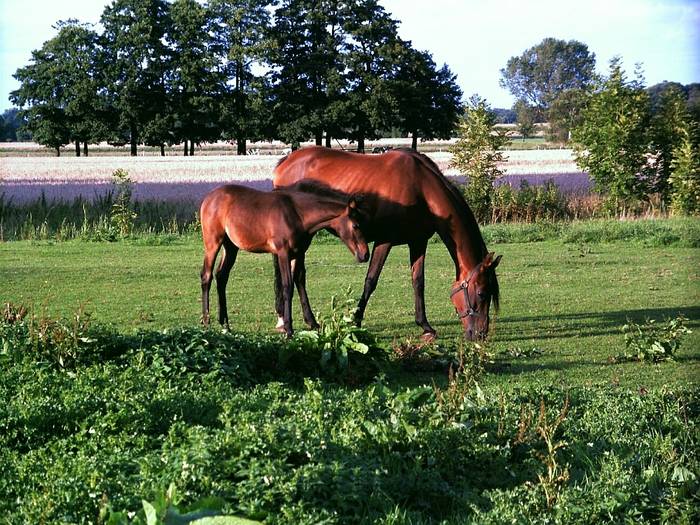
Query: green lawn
[565, 300]
[95, 422]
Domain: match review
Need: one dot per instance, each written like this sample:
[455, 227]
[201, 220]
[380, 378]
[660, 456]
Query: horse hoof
[280, 330]
[428, 337]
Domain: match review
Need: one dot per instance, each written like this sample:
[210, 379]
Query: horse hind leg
[279, 299]
[212, 244]
[299, 272]
[222, 274]
[287, 291]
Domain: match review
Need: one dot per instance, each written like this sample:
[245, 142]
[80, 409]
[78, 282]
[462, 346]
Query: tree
[546, 70]
[372, 50]
[61, 90]
[309, 77]
[193, 81]
[525, 118]
[428, 99]
[505, 116]
[242, 41]
[612, 140]
[14, 126]
[136, 63]
[476, 154]
[564, 114]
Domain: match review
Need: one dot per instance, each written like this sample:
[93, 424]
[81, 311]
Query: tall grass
[530, 213]
[42, 219]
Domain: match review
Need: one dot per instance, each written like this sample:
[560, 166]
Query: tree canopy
[166, 72]
[546, 70]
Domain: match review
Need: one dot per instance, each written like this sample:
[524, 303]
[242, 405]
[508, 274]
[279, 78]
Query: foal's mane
[318, 189]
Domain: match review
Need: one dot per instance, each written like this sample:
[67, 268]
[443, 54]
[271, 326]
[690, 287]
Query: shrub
[123, 216]
[477, 153]
[685, 177]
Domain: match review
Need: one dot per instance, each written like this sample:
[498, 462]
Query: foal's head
[472, 297]
[348, 227]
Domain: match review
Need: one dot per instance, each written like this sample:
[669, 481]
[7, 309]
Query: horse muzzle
[362, 256]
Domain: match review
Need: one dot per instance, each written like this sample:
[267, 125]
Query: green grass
[94, 421]
[568, 300]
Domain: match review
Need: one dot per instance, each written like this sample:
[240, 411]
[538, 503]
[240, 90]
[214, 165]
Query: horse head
[348, 227]
[472, 297]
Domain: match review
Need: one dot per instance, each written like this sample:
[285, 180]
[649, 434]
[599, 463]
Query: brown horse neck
[316, 213]
[463, 237]
[465, 254]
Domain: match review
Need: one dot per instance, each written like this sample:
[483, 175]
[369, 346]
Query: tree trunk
[241, 147]
[77, 148]
[58, 151]
[361, 143]
[191, 148]
[85, 148]
[328, 140]
[134, 141]
[319, 137]
[414, 141]
[162, 150]
[186, 149]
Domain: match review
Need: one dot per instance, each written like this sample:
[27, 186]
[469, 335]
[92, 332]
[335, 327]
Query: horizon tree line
[182, 72]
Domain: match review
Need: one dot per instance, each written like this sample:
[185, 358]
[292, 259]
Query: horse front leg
[417, 256]
[379, 254]
[299, 272]
[287, 285]
[222, 273]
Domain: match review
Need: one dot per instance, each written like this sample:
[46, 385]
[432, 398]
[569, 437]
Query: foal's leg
[212, 243]
[300, 281]
[376, 263]
[222, 272]
[285, 269]
[279, 299]
[417, 254]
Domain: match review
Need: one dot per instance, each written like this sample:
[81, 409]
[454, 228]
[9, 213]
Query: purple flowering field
[24, 179]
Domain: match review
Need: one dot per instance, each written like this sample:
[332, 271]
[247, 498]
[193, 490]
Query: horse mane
[318, 189]
[465, 213]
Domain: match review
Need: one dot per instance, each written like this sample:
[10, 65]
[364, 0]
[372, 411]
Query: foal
[281, 222]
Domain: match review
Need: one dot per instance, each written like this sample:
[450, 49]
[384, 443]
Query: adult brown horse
[281, 222]
[408, 199]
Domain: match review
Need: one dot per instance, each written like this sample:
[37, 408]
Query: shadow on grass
[556, 326]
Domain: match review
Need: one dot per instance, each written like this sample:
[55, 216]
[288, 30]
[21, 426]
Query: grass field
[544, 428]
[567, 300]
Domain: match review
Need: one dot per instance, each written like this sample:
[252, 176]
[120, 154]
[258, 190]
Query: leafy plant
[166, 510]
[123, 216]
[556, 475]
[652, 341]
[337, 336]
[463, 381]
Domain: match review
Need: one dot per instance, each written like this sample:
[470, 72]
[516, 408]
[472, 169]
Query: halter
[464, 287]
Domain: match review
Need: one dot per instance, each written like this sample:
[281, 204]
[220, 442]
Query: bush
[529, 203]
[685, 177]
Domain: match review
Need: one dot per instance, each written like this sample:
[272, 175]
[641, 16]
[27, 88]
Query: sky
[474, 38]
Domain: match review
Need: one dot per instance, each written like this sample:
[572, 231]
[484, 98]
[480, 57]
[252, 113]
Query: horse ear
[495, 262]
